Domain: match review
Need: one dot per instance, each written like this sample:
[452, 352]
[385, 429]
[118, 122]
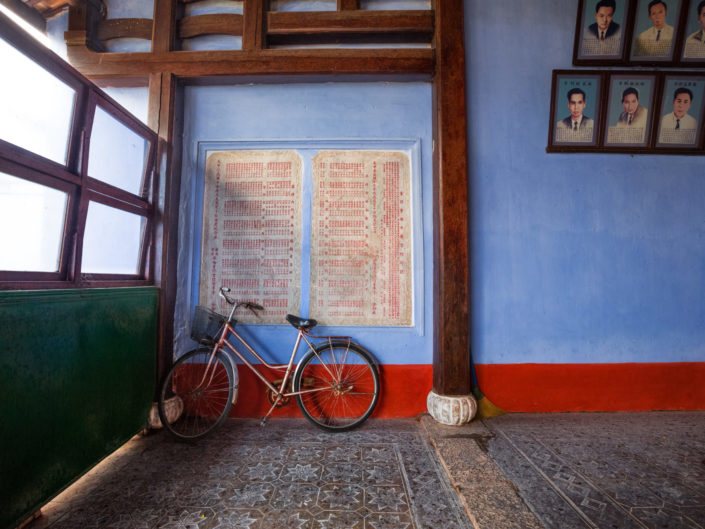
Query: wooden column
[253, 31]
[451, 300]
[83, 25]
[348, 5]
[166, 117]
[164, 25]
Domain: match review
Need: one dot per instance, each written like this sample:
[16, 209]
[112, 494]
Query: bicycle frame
[224, 345]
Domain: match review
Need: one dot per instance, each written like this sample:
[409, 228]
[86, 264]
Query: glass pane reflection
[111, 242]
[36, 108]
[117, 154]
[32, 216]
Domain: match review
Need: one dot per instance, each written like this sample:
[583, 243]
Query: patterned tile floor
[384, 475]
[517, 471]
[606, 470]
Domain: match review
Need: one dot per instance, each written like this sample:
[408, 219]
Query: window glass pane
[111, 241]
[117, 154]
[32, 220]
[134, 99]
[35, 107]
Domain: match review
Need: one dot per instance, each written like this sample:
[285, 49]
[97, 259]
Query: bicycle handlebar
[253, 307]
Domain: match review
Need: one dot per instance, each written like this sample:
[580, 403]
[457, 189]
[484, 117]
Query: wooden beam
[166, 12]
[253, 30]
[166, 117]
[135, 28]
[451, 302]
[29, 15]
[348, 5]
[345, 22]
[308, 62]
[221, 24]
[83, 23]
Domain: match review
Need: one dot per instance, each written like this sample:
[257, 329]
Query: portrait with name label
[655, 30]
[694, 39]
[601, 30]
[574, 112]
[681, 112]
[629, 110]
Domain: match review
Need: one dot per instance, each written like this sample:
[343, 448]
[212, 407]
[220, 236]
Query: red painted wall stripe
[594, 387]
[404, 389]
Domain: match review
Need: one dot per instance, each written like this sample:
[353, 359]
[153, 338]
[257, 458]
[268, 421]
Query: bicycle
[336, 383]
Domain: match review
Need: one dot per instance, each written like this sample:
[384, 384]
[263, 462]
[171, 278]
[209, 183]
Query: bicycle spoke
[342, 388]
[204, 383]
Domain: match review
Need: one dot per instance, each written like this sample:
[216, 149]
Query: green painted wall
[77, 372]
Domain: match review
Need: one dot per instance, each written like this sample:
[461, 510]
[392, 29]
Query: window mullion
[81, 206]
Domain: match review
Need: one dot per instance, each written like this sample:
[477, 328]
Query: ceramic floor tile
[285, 475]
[607, 470]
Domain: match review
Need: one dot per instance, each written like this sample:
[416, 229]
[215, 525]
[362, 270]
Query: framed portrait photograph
[681, 112]
[694, 38]
[655, 30]
[600, 31]
[575, 105]
[630, 101]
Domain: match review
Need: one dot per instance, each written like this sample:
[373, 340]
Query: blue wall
[576, 258]
[309, 115]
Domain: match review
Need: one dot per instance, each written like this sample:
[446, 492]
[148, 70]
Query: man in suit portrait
[695, 43]
[679, 126]
[655, 41]
[602, 37]
[634, 114]
[577, 127]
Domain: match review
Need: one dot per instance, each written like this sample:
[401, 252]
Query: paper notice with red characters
[251, 239]
[361, 239]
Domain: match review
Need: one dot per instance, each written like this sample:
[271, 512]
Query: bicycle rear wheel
[340, 386]
[205, 389]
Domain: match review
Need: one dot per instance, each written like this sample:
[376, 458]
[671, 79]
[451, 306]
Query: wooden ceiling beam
[346, 5]
[116, 28]
[341, 22]
[220, 24]
[194, 64]
[26, 13]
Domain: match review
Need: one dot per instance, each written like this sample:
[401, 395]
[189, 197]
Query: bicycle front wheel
[339, 386]
[206, 390]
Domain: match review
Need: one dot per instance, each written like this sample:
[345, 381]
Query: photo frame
[575, 109]
[630, 108]
[601, 31]
[693, 48]
[681, 112]
[655, 31]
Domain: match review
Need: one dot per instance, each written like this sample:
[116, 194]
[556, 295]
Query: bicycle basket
[206, 324]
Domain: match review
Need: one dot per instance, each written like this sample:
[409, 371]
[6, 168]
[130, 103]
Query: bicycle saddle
[301, 323]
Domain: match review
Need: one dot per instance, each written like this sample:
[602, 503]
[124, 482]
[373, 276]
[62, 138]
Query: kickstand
[263, 422]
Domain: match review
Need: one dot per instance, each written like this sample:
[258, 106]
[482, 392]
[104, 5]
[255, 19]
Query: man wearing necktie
[679, 126]
[656, 41]
[634, 114]
[577, 127]
[602, 37]
[695, 43]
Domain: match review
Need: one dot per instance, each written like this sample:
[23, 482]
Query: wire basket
[206, 325]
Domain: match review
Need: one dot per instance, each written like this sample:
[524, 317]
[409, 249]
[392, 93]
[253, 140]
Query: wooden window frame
[73, 178]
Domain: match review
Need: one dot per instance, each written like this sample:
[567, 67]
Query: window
[43, 125]
[76, 174]
[117, 154]
[32, 216]
[111, 242]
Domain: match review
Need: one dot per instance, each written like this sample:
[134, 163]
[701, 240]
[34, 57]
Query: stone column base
[452, 410]
[173, 408]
